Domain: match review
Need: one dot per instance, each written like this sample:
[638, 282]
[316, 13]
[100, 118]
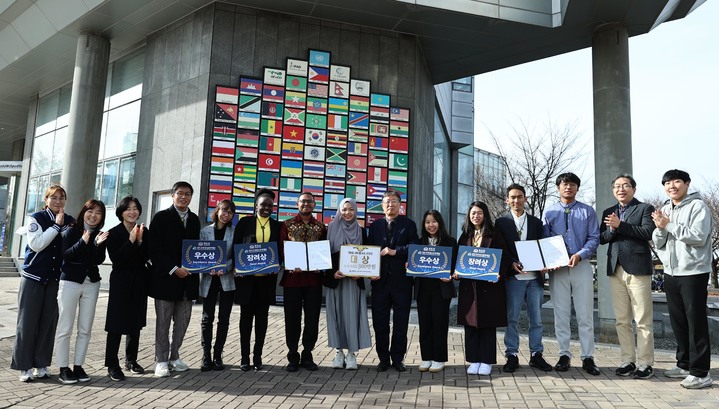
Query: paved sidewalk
[273, 387]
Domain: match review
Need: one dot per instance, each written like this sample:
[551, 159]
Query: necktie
[390, 229]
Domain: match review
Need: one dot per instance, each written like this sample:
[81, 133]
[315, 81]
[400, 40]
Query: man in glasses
[393, 289]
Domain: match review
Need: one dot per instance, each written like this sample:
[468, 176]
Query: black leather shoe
[246, 367]
[589, 366]
[134, 367]
[218, 365]
[292, 367]
[310, 365]
[382, 366]
[206, 364]
[563, 364]
[626, 369]
[537, 361]
[512, 364]
[258, 364]
[116, 373]
[399, 366]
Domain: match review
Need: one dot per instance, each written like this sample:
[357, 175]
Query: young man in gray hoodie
[683, 241]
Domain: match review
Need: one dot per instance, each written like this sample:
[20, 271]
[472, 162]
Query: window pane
[41, 154]
[32, 195]
[109, 182]
[98, 180]
[127, 175]
[103, 138]
[55, 178]
[47, 113]
[63, 111]
[126, 81]
[42, 185]
[122, 126]
[58, 152]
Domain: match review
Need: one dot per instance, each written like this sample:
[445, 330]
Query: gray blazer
[629, 244]
[228, 279]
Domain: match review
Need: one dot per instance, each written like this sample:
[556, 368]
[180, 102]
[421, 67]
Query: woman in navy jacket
[84, 249]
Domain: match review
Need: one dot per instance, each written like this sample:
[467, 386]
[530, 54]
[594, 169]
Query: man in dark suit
[393, 289]
[627, 228]
[522, 286]
[173, 287]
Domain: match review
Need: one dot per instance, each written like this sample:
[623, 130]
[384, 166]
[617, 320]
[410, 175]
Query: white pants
[70, 296]
[568, 285]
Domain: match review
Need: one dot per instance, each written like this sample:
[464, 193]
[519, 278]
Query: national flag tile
[246, 154]
[317, 90]
[337, 122]
[291, 184]
[274, 76]
[268, 162]
[399, 114]
[313, 169]
[244, 205]
[371, 218]
[356, 177]
[359, 193]
[316, 121]
[214, 198]
[220, 183]
[285, 214]
[250, 103]
[222, 131]
[398, 161]
[245, 173]
[227, 95]
[270, 180]
[375, 192]
[334, 185]
[357, 162]
[226, 113]
[271, 110]
[359, 104]
[251, 86]
[379, 114]
[336, 170]
[288, 199]
[360, 87]
[296, 83]
[319, 75]
[399, 145]
[336, 155]
[317, 105]
[293, 133]
[403, 193]
[319, 206]
[248, 137]
[270, 145]
[328, 215]
[397, 178]
[377, 175]
[339, 89]
[315, 137]
[374, 206]
[379, 100]
[240, 188]
[377, 158]
[332, 200]
[376, 129]
[314, 153]
[291, 168]
[320, 58]
[338, 105]
[340, 73]
[296, 67]
[398, 128]
[295, 99]
[357, 135]
[248, 120]
[273, 93]
[314, 186]
[358, 120]
[271, 127]
[295, 116]
[336, 140]
[357, 148]
[221, 147]
[292, 150]
[376, 142]
[360, 213]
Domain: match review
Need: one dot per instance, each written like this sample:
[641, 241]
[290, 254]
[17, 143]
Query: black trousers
[433, 314]
[258, 313]
[687, 305]
[223, 317]
[296, 300]
[395, 296]
[480, 344]
[112, 348]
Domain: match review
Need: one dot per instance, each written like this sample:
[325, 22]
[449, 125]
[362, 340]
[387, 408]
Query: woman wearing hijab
[347, 323]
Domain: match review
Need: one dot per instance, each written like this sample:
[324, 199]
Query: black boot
[206, 362]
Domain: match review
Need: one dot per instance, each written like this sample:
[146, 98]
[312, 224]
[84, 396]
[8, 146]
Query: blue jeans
[519, 291]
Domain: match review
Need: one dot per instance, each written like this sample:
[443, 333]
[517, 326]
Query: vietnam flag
[293, 133]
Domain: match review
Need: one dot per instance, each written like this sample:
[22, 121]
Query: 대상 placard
[478, 263]
[310, 256]
[429, 261]
[256, 258]
[360, 261]
[204, 256]
[536, 255]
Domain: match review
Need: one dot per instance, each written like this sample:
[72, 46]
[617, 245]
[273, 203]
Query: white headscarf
[340, 231]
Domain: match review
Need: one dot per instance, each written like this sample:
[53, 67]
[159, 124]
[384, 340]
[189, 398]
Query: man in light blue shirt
[577, 223]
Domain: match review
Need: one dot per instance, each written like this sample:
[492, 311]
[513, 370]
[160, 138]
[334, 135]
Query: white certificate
[360, 261]
[310, 256]
[536, 255]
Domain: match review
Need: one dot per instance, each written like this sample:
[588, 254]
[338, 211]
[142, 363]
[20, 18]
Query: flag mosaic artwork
[309, 127]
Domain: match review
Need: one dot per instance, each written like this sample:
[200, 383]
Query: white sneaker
[41, 373]
[436, 367]
[162, 370]
[484, 369]
[676, 372]
[424, 366]
[339, 361]
[26, 376]
[473, 368]
[695, 382]
[351, 361]
[178, 366]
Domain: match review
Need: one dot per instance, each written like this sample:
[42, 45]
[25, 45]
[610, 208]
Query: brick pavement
[273, 387]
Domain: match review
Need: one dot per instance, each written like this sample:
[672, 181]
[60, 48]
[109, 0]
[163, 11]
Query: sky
[674, 82]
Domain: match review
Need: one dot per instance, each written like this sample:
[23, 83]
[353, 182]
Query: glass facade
[465, 184]
[442, 169]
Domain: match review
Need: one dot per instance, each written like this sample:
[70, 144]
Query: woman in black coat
[127, 303]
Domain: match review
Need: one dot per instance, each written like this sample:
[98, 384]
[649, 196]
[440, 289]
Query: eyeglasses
[303, 201]
[625, 186]
[390, 202]
[57, 199]
[183, 194]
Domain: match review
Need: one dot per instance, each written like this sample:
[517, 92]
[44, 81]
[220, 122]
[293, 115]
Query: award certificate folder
[256, 258]
[360, 261]
[204, 256]
[536, 255]
[429, 261]
[310, 256]
[478, 263]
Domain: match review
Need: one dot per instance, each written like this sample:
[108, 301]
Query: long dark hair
[487, 225]
[91, 204]
[442, 234]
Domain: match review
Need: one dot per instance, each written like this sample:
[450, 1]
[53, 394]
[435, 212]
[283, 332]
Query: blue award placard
[256, 258]
[478, 263]
[429, 261]
[204, 256]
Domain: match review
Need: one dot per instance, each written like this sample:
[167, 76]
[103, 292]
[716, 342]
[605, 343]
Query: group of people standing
[60, 272]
